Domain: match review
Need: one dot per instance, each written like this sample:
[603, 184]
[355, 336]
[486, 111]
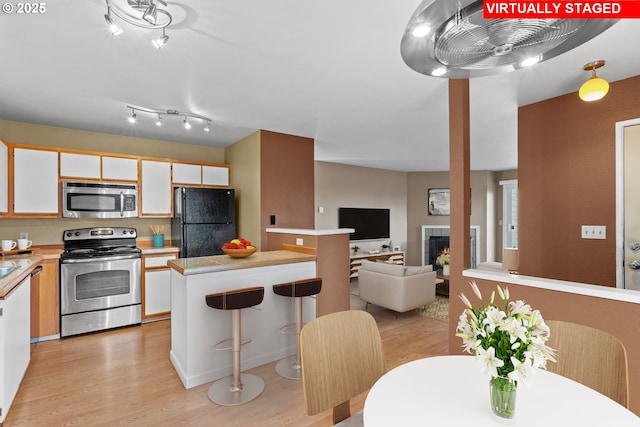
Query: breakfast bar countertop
[215, 263]
[24, 265]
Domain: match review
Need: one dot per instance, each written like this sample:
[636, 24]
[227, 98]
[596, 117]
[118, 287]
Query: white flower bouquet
[509, 339]
[443, 259]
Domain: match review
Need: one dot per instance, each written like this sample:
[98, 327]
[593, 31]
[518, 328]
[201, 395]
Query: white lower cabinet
[15, 350]
[157, 287]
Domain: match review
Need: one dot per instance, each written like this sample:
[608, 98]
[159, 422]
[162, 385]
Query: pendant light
[596, 87]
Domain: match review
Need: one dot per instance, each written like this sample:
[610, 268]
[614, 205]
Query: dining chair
[591, 357]
[342, 356]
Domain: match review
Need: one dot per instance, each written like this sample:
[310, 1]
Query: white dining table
[454, 391]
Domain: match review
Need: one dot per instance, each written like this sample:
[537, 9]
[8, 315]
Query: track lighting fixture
[144, 14]
[160, 113]
[595, 88]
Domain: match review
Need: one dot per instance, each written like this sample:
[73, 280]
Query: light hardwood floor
[124, 378]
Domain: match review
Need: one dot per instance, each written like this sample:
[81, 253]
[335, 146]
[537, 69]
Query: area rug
[438, 309]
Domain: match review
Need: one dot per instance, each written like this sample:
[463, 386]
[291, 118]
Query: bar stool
[290, 367]
[238, 388]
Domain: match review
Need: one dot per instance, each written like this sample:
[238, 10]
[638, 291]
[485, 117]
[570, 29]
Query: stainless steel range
[100, 280]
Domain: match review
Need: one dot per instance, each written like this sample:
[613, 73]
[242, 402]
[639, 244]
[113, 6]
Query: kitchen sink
[6, 269]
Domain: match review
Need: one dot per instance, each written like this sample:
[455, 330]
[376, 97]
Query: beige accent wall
[49, 231]
[358, 187]
[244, 155]
[32, 134]
[486, 210]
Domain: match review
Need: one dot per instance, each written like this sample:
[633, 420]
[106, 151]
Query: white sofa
[396, 287]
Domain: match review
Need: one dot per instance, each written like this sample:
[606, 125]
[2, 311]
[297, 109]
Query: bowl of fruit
[239, 248]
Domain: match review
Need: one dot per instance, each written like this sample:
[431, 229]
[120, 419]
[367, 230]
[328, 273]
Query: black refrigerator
[203, 219]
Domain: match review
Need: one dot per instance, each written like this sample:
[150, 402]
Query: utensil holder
[158, 240]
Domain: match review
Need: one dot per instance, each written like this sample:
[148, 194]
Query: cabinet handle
[36, 271]
[634, 246]
[635, 265]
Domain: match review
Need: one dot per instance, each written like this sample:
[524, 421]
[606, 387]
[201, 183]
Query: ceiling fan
[452, 39]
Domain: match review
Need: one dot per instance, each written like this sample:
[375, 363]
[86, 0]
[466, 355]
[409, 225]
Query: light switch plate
[594, 232]
[298, 241]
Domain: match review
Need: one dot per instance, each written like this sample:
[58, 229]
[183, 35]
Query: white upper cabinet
[94, 166]
[184, 173]
[79, 166]
[119, 168]
[155, 188]
[4, 178]
[215, 175]
[35, 181]
[187, 174]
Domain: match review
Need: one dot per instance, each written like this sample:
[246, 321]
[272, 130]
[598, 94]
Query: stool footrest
[218, 347]
[290, 328]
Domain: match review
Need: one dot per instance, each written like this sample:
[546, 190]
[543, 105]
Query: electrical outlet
[298, 241]
[24, 235]
[594, 232]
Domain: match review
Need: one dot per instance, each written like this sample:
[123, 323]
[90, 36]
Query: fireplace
[435, 238]
[437, 244]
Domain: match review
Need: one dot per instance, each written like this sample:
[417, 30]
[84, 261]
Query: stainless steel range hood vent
[462, 44]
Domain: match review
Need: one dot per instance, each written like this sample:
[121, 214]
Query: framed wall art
[438, 200]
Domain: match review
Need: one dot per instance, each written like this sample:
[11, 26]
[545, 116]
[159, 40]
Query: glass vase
[503, 396]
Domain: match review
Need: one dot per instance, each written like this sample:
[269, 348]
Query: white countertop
[310, 232]
[599, 291]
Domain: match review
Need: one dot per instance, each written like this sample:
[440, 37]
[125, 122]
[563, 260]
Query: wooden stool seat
[291, 367]
[300, 288]
[236, 299]
[238, 388]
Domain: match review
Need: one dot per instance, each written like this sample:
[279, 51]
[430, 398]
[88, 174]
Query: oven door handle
[98, 259]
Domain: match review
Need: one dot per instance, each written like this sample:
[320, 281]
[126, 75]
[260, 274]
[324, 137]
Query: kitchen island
[15, 350]
[196, 328]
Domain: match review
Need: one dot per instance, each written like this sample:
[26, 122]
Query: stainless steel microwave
[99, 200]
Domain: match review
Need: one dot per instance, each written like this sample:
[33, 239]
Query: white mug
[24, 243]
[8, 245]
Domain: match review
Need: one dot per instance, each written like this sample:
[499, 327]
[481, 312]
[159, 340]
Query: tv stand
[355, 261]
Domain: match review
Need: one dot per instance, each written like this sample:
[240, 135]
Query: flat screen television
[369, 223]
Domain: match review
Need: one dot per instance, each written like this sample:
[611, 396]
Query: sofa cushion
[411, 271]
[394, 269]
[383, 267]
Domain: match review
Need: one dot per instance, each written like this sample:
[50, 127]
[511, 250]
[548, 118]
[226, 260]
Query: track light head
[151, 14]
[159, 121]
[132, 118]
[113, 27]
[187, 125]
[160, 41]
[207, 128]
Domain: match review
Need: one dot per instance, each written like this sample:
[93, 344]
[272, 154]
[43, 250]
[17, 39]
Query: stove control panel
[99, 233]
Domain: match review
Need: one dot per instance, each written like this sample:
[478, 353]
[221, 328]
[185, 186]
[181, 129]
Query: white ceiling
[329, 70]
